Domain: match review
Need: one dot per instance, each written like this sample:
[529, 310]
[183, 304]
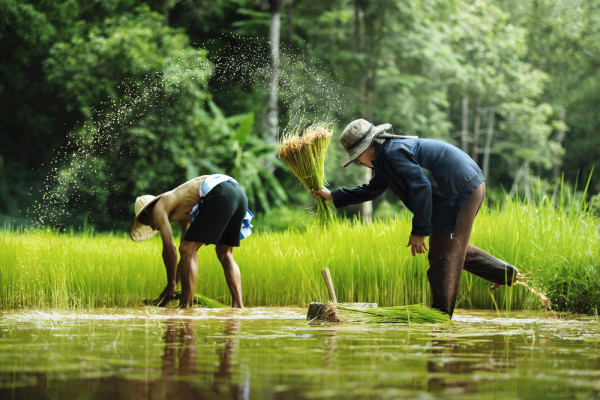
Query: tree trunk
[464, 132]
[288, 25]
[357, 35]
[522, 175]
[166, 9]
[272, 109]
[559, 139]
[476, 123]
[488, 143]
[366, 208]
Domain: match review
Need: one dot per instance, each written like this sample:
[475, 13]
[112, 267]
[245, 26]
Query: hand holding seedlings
[304, 151]
[323, 192]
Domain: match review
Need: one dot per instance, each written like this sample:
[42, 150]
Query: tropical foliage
[101, 101]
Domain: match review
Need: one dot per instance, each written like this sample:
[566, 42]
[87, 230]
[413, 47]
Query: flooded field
[149, 353]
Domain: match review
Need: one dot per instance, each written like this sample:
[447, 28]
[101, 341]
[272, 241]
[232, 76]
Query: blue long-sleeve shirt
[432, 178]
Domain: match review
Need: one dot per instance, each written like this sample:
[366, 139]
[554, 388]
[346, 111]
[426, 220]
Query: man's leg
[188, 271]
[447, 254]
[232, 274]
[488, 267]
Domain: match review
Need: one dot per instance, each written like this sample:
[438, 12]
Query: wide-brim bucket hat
[138, 231]
[358, 136]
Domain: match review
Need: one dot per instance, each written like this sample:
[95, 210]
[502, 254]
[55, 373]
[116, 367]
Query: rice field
[368, 263]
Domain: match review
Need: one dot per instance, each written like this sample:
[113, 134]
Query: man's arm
[169, 252]
[366, 192]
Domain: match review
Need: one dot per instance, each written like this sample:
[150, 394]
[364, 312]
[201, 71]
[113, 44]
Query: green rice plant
[198, 300]
[304, 153]
[412, 313]
[368, 262]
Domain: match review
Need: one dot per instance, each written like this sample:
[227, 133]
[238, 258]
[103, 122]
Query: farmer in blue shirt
[443, 188]
[210, 209]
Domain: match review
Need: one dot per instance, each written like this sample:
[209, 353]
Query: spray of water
[305, 90]
[544, 300]
[78, 173]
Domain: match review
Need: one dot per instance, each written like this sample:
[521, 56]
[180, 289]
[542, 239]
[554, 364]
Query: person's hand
[323, 192]
[417, 244]
[166, 296]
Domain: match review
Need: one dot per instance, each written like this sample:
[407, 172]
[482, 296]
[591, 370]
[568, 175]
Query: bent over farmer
[210, 209]
[443, 188]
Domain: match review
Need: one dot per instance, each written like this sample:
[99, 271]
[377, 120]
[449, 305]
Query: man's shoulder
[394, 148]
[163, 202]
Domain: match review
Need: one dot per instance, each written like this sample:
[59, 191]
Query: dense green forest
[105, 100]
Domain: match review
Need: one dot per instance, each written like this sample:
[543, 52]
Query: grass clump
[304, 153]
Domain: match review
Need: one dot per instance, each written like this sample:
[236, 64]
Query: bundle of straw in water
[198, 300]
[304, 153]
[414, 313]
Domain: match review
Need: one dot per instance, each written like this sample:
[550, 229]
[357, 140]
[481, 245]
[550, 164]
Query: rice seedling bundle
[414, 313]
[304, 153]
[199, 300]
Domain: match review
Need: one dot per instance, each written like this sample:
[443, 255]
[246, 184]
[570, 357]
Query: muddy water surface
[149, 353]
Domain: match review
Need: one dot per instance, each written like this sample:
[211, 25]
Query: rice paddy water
[264, 353]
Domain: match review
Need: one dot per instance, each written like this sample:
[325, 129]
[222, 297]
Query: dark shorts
[220, 216]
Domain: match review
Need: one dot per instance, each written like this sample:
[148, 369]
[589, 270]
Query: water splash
[544, 300]
[305, 90]
[78, 175]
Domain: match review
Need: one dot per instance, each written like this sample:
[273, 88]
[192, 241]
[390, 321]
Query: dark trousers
[450, 254]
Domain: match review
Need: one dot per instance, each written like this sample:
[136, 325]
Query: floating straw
[304, 153]
[414, 313]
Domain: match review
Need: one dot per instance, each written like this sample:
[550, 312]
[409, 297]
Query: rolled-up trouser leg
[488, 267]
[447, 254]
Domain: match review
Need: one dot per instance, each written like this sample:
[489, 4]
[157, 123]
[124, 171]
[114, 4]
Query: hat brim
[139, 232]
[365, 144]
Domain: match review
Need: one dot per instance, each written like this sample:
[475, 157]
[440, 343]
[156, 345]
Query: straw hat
[358, 136]
[138, 231]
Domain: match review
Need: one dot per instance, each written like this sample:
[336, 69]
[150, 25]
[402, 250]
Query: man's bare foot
[167, 295]
[158, 302]
[518, 276]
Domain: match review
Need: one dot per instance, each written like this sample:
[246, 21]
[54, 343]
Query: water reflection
[223, 384]
[331, 346]
[453, 363]
[180, 376]
[216, 354]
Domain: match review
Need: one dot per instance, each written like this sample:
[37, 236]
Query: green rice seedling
[304, 153]
[198, 300]
[40, 269]
[413, 313]
[416, 313]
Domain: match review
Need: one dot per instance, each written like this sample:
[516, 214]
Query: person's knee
[435, 259]
[224, 253]
[188, 249]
